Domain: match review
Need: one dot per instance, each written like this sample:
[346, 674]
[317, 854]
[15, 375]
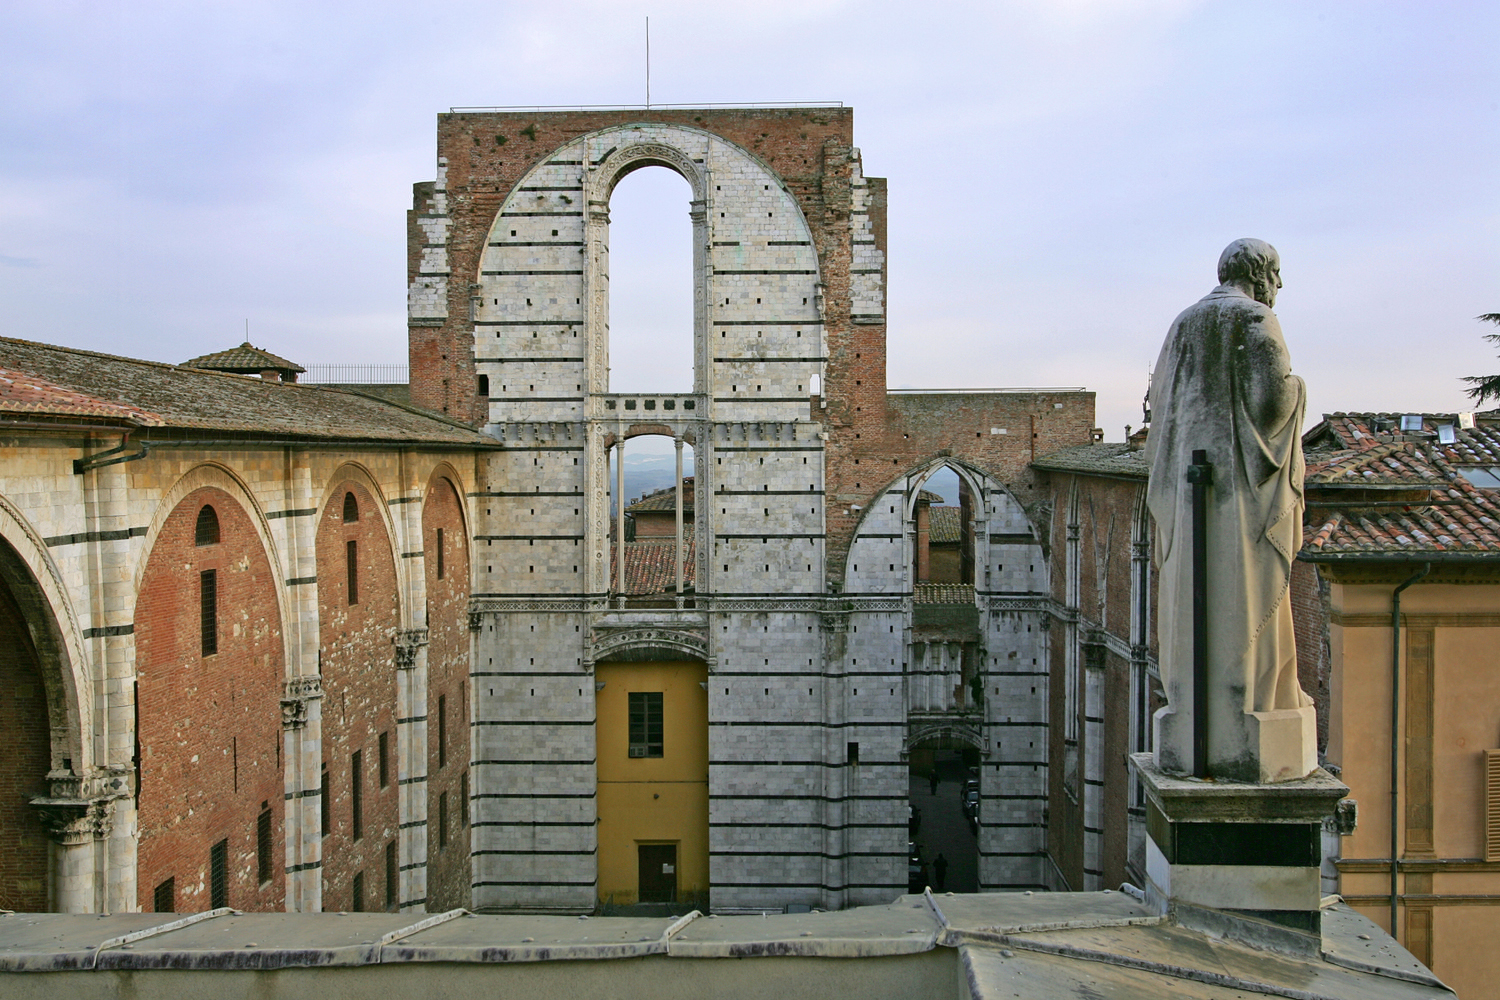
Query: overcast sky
[1062, 175]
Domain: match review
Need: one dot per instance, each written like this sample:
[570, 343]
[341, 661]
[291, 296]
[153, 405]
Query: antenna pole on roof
[648, 62]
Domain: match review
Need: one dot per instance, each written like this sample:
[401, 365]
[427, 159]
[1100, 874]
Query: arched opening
[651, 539]
[944, 516]
[651, 283]
[944, 815]
[24, 765]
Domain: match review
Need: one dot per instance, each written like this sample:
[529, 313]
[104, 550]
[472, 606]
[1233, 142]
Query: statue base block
[1276, 746]
[1243, 857]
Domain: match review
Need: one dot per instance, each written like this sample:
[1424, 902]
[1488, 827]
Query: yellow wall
[1455, 882]
[652, 800]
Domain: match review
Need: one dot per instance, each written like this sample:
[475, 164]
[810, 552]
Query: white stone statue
[1224, 384]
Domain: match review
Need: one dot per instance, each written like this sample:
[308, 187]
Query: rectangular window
[440, 553]
[1492, 805]
[463, 799]
[351, 567]
[645, 724]
[208, 611]
[264, 840]
[218, 875]
[392, 876]
[853, 757]
[164, 900]
[356, 794]
[385, 760]
[443, 820]
[326, 802]
[442, 730]
[357, 904]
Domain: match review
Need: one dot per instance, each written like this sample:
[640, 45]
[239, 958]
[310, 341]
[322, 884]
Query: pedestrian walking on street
[932, 780]
[940, 868]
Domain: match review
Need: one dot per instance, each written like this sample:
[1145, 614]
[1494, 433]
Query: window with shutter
[1492, 805]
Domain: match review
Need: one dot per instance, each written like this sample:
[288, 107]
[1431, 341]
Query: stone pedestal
[1238, 858]
[1275, 746]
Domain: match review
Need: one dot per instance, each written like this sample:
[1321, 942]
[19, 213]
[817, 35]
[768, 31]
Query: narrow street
[944, 829]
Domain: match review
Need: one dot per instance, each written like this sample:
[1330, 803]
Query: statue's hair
[1246, 260]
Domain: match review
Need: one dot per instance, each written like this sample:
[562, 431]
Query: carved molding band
[294, 698]
[77, 808]
[945, 731]
[409, 641]
[611, 642]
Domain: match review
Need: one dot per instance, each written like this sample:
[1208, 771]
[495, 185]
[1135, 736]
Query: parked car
[971, 805]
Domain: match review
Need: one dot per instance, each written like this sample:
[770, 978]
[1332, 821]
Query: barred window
[392, 876]
[351, 568]
[442, 730]
[385, 766]
[440, 553]
[326, 803]
[164, 900]
[645, 724]
[264, 841]
[357, 904]
[208, 612]
[218, 875]
[207, 530]
[463, 799]
[357, 794]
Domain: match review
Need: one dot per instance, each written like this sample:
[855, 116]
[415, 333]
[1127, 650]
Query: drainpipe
[1396, 722]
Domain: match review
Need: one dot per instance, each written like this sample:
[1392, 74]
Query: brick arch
[357, 657]
[209, 727]
[228, 482]
[54, 631]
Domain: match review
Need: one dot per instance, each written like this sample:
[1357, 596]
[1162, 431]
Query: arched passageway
[25, 762]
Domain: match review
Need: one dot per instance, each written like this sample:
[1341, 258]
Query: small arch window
[351, 508]
[207, 530]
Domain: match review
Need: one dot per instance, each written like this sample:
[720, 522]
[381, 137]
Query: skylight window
[1487, 479]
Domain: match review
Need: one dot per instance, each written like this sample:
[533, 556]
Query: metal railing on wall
[356, 374]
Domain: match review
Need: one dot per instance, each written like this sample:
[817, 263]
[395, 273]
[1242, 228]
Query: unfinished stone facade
[806, 478]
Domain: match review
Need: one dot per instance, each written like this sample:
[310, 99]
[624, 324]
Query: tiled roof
[945, 524]
[22, 392]
[928, 496]
[1362, 472]
[1115, 460]
[943, 593]
[212, 402]
[650, 566]
[665, 500]
[245, 358]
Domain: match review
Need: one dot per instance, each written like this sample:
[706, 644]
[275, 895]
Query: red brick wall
[1310, 621]
[210, 726]
[359, 695]
[24, 764]
[447, 677]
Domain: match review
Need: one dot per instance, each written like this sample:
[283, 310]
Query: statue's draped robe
[1223, 383]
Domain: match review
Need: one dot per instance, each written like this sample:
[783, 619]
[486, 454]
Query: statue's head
[1253, 265]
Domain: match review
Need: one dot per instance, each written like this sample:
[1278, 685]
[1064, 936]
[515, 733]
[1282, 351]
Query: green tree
[1483, 387]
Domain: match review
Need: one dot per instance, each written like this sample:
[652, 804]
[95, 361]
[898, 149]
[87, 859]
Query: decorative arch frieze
[944, 734]
[649, 644]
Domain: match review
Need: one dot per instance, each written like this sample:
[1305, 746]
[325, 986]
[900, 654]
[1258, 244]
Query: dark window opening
[208, 612]
[356, 795]
[440, 553]
[391, 876]
[463, 799]
[385, 765]
[164, 899]
[442, 820]
[357, 904]
[351, 508]
[218, 875]
[207, 530]
[853, 752]
[351, 567]
[264, 839]
[646, 724]
[326, 803]
[484, 387]
[442, 730]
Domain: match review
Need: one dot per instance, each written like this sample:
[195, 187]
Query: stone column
[77, 814]
[411, 755]
[677, 442]
[302, 821]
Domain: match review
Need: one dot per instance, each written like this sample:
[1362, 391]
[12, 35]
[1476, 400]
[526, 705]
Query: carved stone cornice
[77, 808]
[692, 642]
[967, 730]
[295, 695]
[409, 641]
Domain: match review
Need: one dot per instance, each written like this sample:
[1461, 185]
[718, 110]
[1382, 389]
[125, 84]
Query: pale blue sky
[1062, 175]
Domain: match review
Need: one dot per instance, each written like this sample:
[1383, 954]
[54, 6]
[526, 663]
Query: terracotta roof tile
[1115, 459]
[210, 402]
[665, 500]
[245, 358]
[22, 392]
[943, 593]
[1375, 491]
[945, 524]
[650, 566]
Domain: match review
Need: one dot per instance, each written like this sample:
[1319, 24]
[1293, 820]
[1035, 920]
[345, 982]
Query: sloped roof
[199, 401]
[944, 525]
[22, 392]
[927, 496]
[1353, 457]
[245, 358]
[943, 593]
[1116, 460]
[650, 566]
[665, 501]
